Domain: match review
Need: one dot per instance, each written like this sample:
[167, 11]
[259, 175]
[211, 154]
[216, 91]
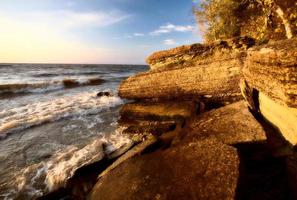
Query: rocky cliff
[271, 74]
[209, 73]
[215, 121]
[208, 142]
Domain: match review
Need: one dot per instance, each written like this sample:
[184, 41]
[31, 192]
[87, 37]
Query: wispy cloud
[70, 18]
[49, 37]
[138, 34]
[170, 42]
[168, 28]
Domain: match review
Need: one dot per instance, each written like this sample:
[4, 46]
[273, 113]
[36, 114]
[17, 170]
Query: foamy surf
[44, 177]
[20, 118]
[33, 159]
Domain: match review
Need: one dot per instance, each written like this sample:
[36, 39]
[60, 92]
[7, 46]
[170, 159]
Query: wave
[48, 86]
[44, 75]
[20, 118]
[47, 176]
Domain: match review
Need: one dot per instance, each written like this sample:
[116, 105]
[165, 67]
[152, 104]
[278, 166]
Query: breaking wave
[48, 86]
[47, 176]
[15, 119]
[46, 75]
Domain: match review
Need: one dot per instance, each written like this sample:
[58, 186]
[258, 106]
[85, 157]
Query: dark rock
[101, 94]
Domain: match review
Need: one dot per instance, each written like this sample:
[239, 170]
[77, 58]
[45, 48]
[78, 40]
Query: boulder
[101, 94]
[207, 169]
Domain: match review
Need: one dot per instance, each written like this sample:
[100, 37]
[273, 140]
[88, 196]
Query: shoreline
[200, 130]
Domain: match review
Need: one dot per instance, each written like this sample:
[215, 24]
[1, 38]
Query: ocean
[52, 122]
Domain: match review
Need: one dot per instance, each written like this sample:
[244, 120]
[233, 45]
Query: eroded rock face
[280, 116]
[215, 82]
[207, 169]
[205, 72]
[270, 86]
[272, 69]
[188, 55]
[154, 118]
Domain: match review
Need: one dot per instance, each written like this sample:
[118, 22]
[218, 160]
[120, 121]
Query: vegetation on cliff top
[259, 19]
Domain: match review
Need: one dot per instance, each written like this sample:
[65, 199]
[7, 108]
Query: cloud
[70, 18]
[170, 42]
[168, 28]
[67, 18]
[138, 34]
[32, 39]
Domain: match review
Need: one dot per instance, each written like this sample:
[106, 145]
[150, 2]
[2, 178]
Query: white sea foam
[41, 178]
[41, 112]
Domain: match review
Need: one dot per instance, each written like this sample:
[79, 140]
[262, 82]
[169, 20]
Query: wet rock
[139, 133]
[206, 169]
[101, 94]
[231, 124]
[137, 150]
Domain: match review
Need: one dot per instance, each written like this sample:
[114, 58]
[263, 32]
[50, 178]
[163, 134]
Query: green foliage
[259, 19]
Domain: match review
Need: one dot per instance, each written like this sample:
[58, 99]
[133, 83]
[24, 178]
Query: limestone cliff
[203, 148]
[208, 73]
[189, 144]
[270, 71]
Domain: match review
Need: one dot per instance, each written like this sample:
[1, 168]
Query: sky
[93, 31]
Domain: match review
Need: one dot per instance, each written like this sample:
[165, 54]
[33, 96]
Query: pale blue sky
[93, 31]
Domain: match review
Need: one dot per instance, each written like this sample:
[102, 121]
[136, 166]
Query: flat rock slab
[217, 81]
[207, 169]
[231, 124]
[157, 111]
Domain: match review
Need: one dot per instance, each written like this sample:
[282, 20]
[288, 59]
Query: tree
[260, 19]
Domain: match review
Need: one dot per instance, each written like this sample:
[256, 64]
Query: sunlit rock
[270, 87]
[208, 73]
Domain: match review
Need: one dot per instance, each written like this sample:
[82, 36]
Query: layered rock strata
[154, 118]
[270, 75]
[199, 54]
[220, 154]
[209, 73]
[189, 144]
